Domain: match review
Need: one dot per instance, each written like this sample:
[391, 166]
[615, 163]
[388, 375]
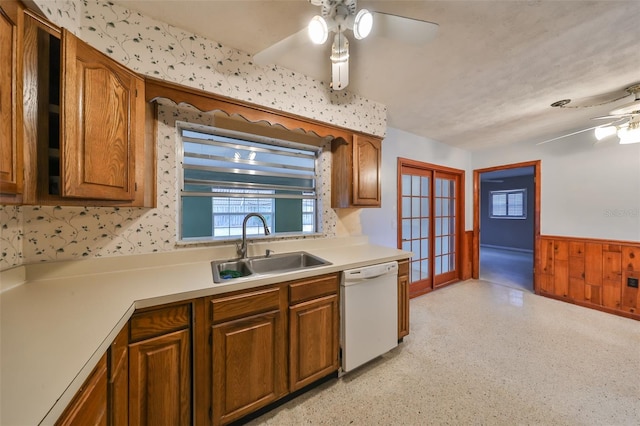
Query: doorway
[430, 214]
[507, 224]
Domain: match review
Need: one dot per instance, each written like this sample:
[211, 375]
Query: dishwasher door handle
[364, 277]
[371, 272]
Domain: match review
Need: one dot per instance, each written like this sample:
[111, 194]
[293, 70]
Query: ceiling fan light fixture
[605, 132]
[363, 24]
[339, 62]
[318, 30]
[630, 134]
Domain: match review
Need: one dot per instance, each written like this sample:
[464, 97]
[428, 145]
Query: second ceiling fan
[340, 16]
[623, 121]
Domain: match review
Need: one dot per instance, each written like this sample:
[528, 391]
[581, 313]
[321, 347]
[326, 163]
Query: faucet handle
[238, 247]
[269, 252]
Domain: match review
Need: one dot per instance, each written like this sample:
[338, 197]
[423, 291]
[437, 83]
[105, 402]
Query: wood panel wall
[589, 272]
[466, 269]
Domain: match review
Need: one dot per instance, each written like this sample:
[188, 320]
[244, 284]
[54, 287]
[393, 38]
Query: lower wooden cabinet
[248, 352]
[118, 367]
[254, 334]
[314, 333]
[89, 406]
[160, 366]
[403, 299]
[217, 359]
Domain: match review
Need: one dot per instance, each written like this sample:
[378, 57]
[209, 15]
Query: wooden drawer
[311, 288]
[403, 267]
[155, 322]
[245, 304]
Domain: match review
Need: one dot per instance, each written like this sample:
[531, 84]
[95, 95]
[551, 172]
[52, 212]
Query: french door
[429, 214]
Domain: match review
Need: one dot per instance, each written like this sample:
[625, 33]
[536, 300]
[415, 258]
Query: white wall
[587, 190]
[380, 225]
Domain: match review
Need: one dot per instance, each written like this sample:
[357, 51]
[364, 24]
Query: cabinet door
[118, 363]
[11, 165]
[102, 122]
[313, 341]
[367, 158]
[249, 365]
[160, 380]
[403, 299]
[89, 406]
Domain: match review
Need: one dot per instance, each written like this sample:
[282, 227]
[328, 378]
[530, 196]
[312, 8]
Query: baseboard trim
[506, 248]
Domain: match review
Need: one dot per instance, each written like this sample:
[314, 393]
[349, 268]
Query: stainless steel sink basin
[284, 262]
[225, 270]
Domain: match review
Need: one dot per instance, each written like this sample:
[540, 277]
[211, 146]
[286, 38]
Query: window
[228, 174]
[511, 204]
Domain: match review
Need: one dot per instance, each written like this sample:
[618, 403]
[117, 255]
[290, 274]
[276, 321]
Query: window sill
[206, 242]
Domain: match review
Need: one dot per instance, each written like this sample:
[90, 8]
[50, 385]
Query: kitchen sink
[225, 270]
[284, 262]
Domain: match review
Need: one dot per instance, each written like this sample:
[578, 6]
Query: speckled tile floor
[485, 354]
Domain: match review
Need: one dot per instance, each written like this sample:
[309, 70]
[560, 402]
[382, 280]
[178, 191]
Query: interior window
[228, 174]
[509, 204]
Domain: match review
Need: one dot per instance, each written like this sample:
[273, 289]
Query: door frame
[460, 214]
[537, 182]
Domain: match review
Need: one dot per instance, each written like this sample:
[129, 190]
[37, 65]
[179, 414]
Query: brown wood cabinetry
[217, 359]
[248, 352]
[313, 330]
[160, 366]
[118, 367]
[89, 406]
[356, 167]
[253, 331]
[588, 272]
[102, 123]
[84, 124]
[11, 161]
[403, 298]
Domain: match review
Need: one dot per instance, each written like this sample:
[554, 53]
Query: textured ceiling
[486, 80]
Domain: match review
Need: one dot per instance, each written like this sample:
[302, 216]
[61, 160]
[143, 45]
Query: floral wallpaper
[47, 233]
[160, 50]
[64, 13]
[11, 236]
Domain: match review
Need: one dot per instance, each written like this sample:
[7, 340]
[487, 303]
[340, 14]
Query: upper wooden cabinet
[356, 180]
[11, 162]
[102, 109]
[84, 124]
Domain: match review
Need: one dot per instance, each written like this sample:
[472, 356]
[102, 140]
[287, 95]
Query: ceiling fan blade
[574, 133]
[271, 54]
[628, 108]
[618, 117]
[401, 28]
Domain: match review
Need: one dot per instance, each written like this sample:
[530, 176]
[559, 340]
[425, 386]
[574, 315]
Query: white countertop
[58, 319]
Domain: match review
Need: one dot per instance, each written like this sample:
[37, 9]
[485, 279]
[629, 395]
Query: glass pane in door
[445, 229]
[415, 222]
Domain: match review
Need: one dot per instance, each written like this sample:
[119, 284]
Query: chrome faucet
[242, 250]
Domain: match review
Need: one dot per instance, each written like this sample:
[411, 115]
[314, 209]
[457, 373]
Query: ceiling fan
[624, 121]
[338, 16]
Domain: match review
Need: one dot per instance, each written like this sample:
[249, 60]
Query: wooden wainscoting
[466, 268]
[590, 272]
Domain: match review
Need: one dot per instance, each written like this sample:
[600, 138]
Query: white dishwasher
[369, 313]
